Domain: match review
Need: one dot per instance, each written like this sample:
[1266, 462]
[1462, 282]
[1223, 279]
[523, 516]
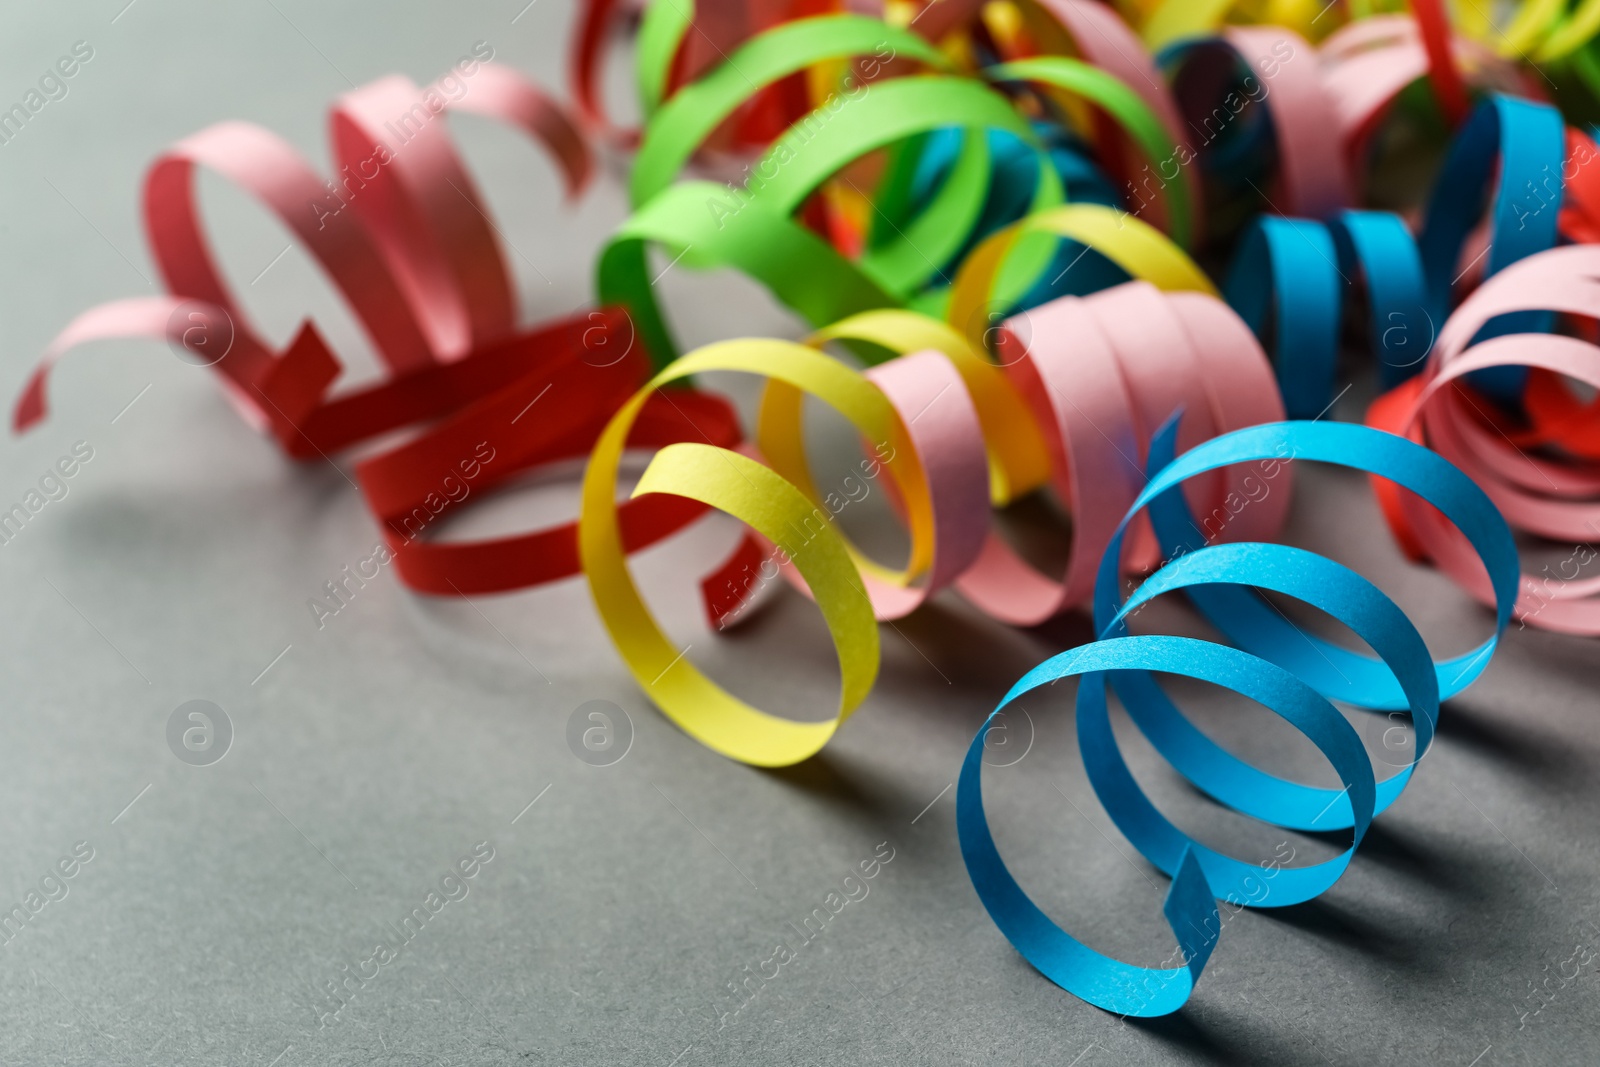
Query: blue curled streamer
[1284, 272]
[1239, 151]
[1274, 665]
[1529, 141]
[1309, 265]
[1376, 248]
[1294, 273]
[1014, 174]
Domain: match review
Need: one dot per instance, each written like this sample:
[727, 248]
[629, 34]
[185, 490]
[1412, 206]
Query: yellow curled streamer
[1172, 20]
[762, 499]
[1018, 460]
[780, 436]
[1140, 249]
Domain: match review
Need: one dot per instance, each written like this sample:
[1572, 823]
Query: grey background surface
[371, 754]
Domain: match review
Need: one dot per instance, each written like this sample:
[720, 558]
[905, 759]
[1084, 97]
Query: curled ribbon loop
[1295, 273]
[774, 508]
[414, 258]
[1005, 215]
[1094, 374]
[404, 235]
[1272, 669]
[1543, 477]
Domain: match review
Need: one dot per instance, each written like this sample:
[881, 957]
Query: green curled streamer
[753, 230]
[693, 222]
[1124, 105]
[661, 33]
[683, 123]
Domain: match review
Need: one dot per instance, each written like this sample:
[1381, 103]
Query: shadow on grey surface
[1067, 630]
[1557, 765]
[1183, 1031]
[831, 779]
[1454, 869]
[954, 633]
[1570, 654]
[195, 519]
[1395, 940]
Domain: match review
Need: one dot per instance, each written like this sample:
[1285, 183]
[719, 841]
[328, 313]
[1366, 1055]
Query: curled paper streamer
[787, 225]
[1301, 269]
[1543, 32]
[754, 494]
[405, 238]
[922, 190]
[679, 42]
[1085, 383]
[1536, 31]
[1543, 476]
[701, 225]
[1292, 674]
[769, 230]
[1096, 375]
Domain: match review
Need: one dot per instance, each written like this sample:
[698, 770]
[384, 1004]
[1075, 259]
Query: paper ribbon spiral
[1076, 404]
[796, 226]
[1006, 213]
[1292, 674]
[1544, 475]
[404, 236]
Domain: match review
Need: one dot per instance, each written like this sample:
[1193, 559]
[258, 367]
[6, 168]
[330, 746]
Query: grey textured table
[617, 912]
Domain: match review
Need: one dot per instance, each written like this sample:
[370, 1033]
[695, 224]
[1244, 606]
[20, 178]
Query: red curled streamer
[1433, 23]
[1368, 63]
[405, 238]
[1544, 477]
